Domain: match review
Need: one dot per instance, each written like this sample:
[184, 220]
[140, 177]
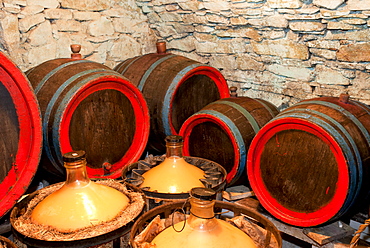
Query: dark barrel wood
[223, 130]
[88, 106]
[174, 87]
[308, 165]
[21, 135]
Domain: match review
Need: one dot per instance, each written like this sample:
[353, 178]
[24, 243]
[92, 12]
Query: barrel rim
[100, 82]
[325, 213]
[181, 77]
[30, 135]
[202, 117]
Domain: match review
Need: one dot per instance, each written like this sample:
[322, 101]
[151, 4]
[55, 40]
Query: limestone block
[3, 14]
[354, 53]
[68, 25]
[290, 4]
[257, 22]
[128, 24]
[325, 44]
[31, 10]
[49, 4]
[204, 29]
[194, 19]
[170, 17]
[247, 62]
[92, 5]
[223, 61]
[324, 53]
[39, 54]
[17, 2]
[245, 6]
[248, 12]
[17, 55]
[356, 35]
[238, 20]
[212, 18]
[358, 4]
[159, 9]
[183, 28]
[298, 73]
[301, 17]
[154, 17]
[273, 34]
[125, 47]
[186, 44]
[166, 31]
[341, 25]
[309, 10]
[361, 81]
[217, 5]
[13, 10]
[102, 26]
[63, 43]
[355, 21]
[86, 15]
[163, 2]
[326, 75]
[282, 48]
[278, 21]
[100, 56]
[250, 33]
[329, 4]
[306, 26]
[221, 46]
[41, 35]
[10, 29]
[172, 7]
[146, 9]
[29, 21]
[334, 13]
[58, 14]
[202, 37]
[189, 5]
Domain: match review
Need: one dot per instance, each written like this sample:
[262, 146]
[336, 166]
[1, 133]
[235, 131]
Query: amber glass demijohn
[174, 174]
[79, 203]
[202, 229]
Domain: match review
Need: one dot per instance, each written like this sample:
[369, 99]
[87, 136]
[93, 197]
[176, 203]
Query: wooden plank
[334, 235]
[328, 233]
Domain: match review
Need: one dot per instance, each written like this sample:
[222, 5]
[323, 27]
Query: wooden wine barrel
[21, 135]
[223, 130]
[88, 106]
[174, 87]
[307, 166]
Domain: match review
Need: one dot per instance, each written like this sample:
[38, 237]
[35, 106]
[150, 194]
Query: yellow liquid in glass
[76, 206]
[173, 175]
[222, 235]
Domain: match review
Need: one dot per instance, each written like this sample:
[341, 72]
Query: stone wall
[34, 31]
[279, 50]
[283, 51]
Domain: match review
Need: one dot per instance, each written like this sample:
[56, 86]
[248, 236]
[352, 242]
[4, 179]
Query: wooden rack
[334, 235]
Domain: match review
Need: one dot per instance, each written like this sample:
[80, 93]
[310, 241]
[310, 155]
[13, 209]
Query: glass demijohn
[174, 174]
[202, 229]
[79, 203]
